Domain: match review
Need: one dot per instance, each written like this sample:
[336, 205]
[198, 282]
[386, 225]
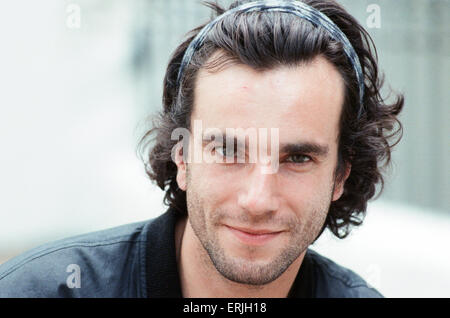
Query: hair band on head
[297, 8]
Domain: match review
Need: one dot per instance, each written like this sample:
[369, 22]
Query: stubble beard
[247, 271]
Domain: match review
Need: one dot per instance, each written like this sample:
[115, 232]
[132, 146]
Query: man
[239, 226]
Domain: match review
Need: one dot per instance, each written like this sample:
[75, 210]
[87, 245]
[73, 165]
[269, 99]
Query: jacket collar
[161, 265]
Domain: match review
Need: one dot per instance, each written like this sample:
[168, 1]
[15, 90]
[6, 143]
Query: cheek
[298, 192]
[302, 192]
[211, 182]
[219, 185]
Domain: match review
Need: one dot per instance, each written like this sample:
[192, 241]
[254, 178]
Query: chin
[251, 272]
[251, 255]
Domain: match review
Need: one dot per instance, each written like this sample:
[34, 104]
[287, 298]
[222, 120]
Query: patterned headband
[298, 8]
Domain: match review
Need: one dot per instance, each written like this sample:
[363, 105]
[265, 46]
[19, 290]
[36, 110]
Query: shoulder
[336, 281]
[88, 265]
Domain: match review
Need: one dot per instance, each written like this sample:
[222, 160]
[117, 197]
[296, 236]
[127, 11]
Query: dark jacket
[138, 260]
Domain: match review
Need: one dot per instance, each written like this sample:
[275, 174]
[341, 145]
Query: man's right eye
[222, 153]
[221, 150]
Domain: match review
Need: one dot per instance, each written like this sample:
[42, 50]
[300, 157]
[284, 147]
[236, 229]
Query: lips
[253, 236]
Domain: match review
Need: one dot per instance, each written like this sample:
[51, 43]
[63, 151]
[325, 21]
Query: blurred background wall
[80, 80]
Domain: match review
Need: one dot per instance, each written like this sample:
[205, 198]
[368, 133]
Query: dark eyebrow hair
[305, 147]
[287, 148]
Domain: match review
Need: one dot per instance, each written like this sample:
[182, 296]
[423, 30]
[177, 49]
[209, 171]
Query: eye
[298, 159]
[230, 154]
[222, 152]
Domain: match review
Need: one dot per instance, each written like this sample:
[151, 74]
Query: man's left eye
[299, 159]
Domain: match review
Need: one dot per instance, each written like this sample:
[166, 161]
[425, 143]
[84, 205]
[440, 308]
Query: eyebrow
[305, 147]
[301, 147]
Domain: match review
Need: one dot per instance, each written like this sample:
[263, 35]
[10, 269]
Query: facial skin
[216, 256]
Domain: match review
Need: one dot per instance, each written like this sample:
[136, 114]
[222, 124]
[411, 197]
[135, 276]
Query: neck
[200, 279]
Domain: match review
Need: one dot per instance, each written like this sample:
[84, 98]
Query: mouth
[255, 237]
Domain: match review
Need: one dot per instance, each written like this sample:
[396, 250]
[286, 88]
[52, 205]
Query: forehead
[303, 101]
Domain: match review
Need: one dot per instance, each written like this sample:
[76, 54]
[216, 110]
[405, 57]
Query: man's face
[255, 224]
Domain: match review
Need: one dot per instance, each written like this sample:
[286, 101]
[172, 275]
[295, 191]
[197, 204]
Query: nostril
[258, 203]
[258, 193]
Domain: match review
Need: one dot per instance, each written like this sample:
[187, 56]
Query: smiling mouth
[252, 236]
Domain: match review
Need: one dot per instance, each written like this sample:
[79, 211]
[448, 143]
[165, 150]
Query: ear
[339, 186]
[181, 165]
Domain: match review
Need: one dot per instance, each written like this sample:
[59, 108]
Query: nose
[259, 195]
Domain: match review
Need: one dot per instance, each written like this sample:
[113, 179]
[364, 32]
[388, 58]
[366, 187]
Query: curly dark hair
[264, 40]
